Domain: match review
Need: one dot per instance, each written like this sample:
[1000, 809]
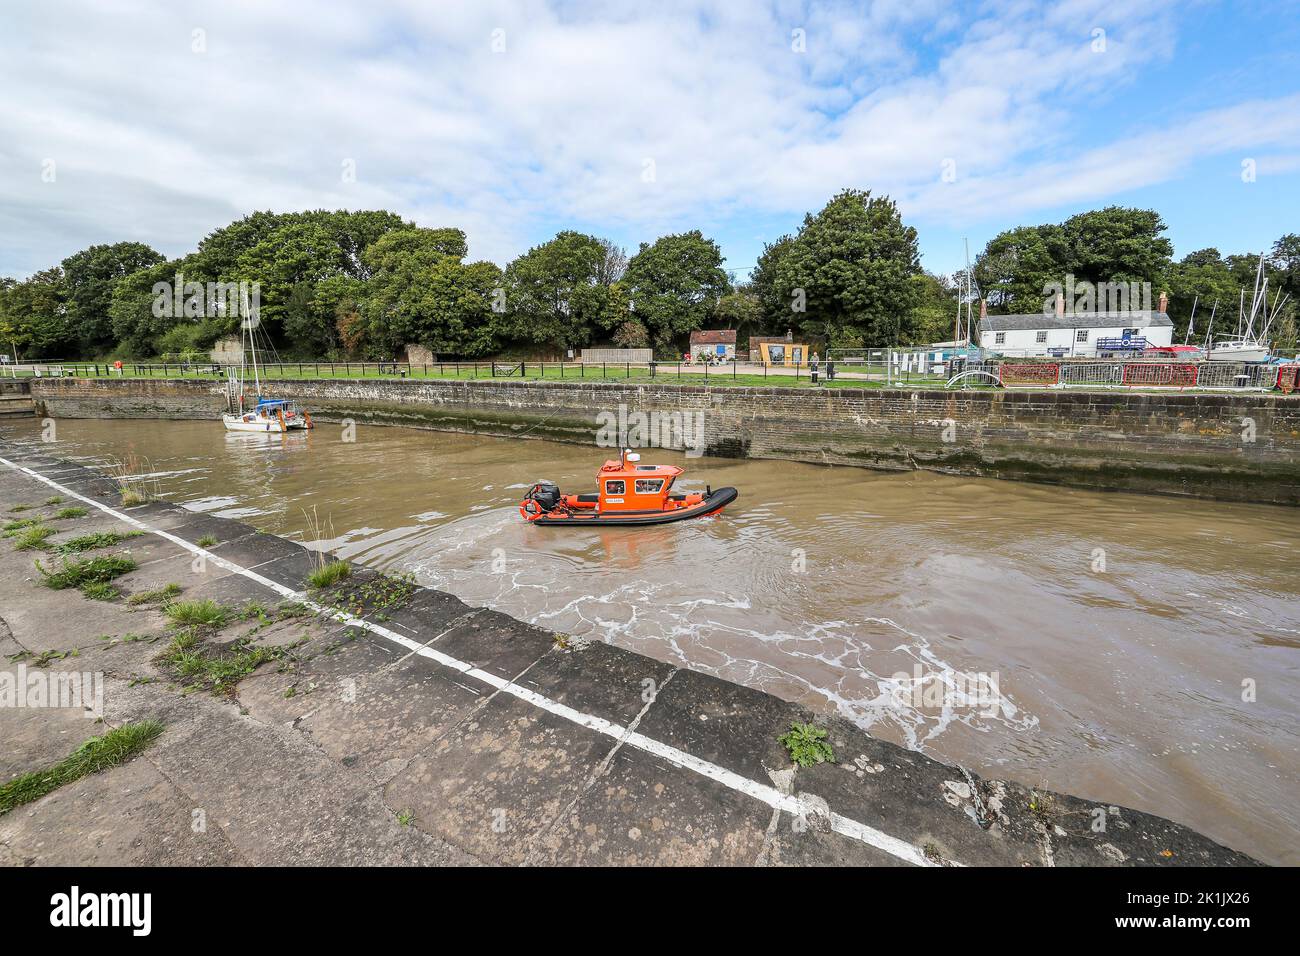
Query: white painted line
[791, 804]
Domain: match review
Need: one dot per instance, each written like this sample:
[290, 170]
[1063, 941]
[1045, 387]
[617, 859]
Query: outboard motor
[541, 498]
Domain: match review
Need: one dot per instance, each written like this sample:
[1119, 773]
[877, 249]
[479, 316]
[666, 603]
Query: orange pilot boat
[628, 493]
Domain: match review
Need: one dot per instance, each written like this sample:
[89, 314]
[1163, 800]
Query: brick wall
[1193, 444]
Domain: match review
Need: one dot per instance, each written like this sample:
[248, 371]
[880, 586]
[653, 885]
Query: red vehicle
[628, 494]
[1177, 351]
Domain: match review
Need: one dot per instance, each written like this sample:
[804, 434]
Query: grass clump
[100, 591]
[160, 595]
[206, 613]
[329, 574]
[207, 541]
[133, 482]
[74, 512]
[32, 537]
[807, 745]
[1042, 806]
[98, 753]
[93, 542]
[215, 669]
[131, 498]
[56, 500]
[17, 509]
[78, 574]
[13, 527]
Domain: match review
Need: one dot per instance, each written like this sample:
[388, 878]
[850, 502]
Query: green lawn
[671, 374]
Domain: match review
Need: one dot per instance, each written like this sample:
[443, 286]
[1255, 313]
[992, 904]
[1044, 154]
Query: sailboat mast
[970, 294]
[252, 347]
[1188, 336]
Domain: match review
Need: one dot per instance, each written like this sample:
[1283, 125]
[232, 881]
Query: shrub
[807, 745]
[207, 613]
[76, 574]
[98, 753]
[328, 574]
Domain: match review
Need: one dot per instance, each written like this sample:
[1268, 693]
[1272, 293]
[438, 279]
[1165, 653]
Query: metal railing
[487, 368]
[1171, 375]
[862, 372]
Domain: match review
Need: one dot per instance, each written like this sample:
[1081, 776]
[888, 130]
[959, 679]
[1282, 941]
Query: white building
[1077, 334]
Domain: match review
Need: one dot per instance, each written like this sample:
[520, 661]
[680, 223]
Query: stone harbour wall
[1240, 447]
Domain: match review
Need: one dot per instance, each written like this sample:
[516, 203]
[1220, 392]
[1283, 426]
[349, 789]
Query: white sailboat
[267, 415]
[1249, 345]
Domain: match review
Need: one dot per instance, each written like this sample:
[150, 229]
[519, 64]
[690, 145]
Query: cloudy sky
[161, 121]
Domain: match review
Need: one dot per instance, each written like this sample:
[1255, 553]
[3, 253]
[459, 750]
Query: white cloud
[154, 141]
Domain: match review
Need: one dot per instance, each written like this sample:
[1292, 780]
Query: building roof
[714, 337]
[1078, 320]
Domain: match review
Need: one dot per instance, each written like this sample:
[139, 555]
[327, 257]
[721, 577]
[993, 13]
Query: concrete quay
[393, 724]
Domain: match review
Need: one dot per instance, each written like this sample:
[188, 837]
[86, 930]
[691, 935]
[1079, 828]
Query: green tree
[674, 285]
[561, 293]
[1285, 263]
[301, 262]
[631, 335]
[90, 276]
[1115, 244]
[293, 257]
[740, 310]
[137, 322]
[421, 293]
[1017, 265]
[1201, 279]
[934, 318]
[34, 316]
[853, 265]
[778, 312]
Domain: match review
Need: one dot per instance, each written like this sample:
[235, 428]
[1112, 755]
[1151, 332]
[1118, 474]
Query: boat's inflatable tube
[719, 499]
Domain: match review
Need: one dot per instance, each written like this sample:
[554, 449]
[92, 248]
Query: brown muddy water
[1124, 631]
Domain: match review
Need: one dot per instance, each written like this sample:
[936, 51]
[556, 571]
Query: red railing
[1036, 373]
[1160, 373]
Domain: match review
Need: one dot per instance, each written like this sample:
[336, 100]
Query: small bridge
[964, 377]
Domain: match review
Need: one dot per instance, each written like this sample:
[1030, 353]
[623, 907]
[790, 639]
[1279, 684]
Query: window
[1040, 336]
[1130, 333]
[1081, 335]
[648, 486]
[1000, 338]
[615, 487]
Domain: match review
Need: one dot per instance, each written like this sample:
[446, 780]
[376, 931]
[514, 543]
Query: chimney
[1060, 305]
[1164, 302]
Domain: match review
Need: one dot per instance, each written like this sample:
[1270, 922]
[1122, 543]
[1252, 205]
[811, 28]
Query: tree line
[364, 285]
[1121, 245]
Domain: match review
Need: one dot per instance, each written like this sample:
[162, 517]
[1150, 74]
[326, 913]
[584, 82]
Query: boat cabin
[627, 485]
